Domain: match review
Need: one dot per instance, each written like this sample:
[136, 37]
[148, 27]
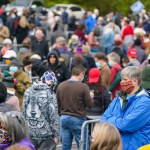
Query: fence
[86, 131]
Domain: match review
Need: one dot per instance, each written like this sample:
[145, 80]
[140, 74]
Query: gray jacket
[41, 112]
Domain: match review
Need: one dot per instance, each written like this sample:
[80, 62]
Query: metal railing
[86, 132]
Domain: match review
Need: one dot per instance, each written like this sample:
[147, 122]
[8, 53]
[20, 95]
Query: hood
[40, 86]
[117, 67]
[53, 52]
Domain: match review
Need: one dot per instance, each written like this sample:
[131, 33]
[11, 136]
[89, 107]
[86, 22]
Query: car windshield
[20, 3]
[60, 7]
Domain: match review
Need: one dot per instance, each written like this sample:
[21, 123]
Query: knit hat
[137, 42]
[131, 52]
[15, 63]
[35, 56]
[117, 40]
[3, 92]
[49, 78]
[8, 80]
[26, 61]
[145, 83]
[7, 41]
[94, 75]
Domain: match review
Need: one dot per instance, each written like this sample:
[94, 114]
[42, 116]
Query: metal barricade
[86, 133]
[2, 66]
[35, 79]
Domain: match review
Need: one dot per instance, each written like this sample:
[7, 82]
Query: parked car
[76, 9]
[37, 5]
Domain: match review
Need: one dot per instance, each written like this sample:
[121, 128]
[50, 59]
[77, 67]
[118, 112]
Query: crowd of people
[57, 71]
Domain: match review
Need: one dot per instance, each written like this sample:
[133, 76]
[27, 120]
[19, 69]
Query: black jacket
[40, 48]
[38, 67]
[102, 100]
[60, 70]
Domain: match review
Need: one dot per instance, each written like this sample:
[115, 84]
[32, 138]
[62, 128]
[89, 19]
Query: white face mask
[13, 16]
[12, 92]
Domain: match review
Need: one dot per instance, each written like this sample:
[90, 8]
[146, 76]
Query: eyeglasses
[13, 115]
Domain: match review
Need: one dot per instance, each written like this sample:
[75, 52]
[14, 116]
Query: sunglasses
[13, 115]
[52, 56]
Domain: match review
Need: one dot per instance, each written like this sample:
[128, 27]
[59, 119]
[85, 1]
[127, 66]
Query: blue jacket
[133, 121]
[90, 22]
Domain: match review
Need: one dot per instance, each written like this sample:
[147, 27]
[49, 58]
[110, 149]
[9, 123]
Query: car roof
[66, 5]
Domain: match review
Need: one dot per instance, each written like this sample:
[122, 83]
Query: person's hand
[56, 140]
[91, 94]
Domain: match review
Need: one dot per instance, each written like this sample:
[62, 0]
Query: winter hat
[15, 63]
[145, 83]
[137, 42]
[3, 92]
[94, 75]
[35, 56]
[8, 80]
[26, 61]
[131, 52]
[117, 40]
[49, 78]
[10, 54]
[7, 41]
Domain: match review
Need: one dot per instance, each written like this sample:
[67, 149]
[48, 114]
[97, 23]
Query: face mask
[13, 16]
[13, 69]
[110, 64]
[5, 138]
[127, 86]
[98, 64]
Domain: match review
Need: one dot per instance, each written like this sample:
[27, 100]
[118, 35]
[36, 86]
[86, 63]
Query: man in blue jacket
[130, 110]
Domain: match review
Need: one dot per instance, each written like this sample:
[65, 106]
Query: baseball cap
[94, 75]
[10, 54]
[131, 52]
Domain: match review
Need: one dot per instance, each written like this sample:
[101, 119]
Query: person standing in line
[73, 97]
[129, 111]
[105, 136]
[40, 111]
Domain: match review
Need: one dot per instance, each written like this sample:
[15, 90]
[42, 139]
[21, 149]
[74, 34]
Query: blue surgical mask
[98, 64]
[13, 69]
[110, 64]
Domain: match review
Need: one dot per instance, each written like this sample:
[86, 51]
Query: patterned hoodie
[41, 112]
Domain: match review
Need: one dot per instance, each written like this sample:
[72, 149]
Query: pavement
[74, 146]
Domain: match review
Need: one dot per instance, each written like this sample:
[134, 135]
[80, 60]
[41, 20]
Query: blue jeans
[71, 127]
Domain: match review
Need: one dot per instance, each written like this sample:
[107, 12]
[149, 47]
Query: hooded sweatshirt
[40, 111]
[60, 70]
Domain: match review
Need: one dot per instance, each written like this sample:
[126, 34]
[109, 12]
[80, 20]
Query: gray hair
[132, 72]
[17, 126]
[3, 119]
[114, 57]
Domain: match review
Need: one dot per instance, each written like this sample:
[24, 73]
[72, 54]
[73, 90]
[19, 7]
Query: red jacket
[128, 30]
[80, 34]
[114, 70]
